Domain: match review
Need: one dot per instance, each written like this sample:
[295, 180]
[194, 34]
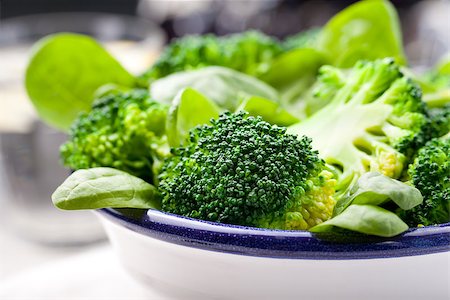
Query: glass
[30, 169]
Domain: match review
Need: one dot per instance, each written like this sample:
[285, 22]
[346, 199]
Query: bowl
[183, 258]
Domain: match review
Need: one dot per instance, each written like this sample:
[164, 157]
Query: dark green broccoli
[373, 122]
[430, 174]
[249, 52]
[439, 121]
[125, 131]
[242, 170]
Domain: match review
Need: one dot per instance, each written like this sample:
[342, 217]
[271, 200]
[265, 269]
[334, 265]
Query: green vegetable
[358, 209]
[376, 189]
[367, 219]
[63, 74]
[269, 110]
[292, 74]
[303, 39]
[368, 29]
[248, 52]
[225, 87]
[189, 109]
[372, 123]
[105, 187]
[241, 170]
[125, 131]
[430, 174]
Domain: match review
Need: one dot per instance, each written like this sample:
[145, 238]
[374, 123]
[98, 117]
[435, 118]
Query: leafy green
[359, 210]
[105, 187]
[374, 188]
[365, 30]
[292, 74]
[189, 109]
[367, 219]
[63, 74]
[225, 87]
[269, 110]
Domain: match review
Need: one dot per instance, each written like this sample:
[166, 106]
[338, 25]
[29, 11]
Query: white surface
[92, 275]
[188, 273]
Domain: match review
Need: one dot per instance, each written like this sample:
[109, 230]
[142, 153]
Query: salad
[327, 130]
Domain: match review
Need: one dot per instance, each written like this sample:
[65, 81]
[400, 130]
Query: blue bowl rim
[261, 242]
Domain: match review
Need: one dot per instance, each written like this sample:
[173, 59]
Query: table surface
[32, 272]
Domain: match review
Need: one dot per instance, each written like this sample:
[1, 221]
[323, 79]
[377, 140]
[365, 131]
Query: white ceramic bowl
[189, 259]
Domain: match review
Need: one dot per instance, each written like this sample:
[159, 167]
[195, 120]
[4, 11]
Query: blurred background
[32, 232]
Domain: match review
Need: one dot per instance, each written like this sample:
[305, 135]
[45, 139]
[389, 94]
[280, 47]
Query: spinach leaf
[105, 187]
[63, 74]
[366, 30]
[292, 74]
[368, 219]
[189, 109]
[225, 87]
[375, 189]
[269, 110]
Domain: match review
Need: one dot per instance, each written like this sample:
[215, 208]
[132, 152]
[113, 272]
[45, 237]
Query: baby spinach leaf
[292, 74]
[189, 109]
[269, 110]
[375, 189]
[365, 30]
[105, 187]
[367, 219]
[63, 74]
[225, 87]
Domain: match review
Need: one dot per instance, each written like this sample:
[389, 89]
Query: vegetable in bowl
[267, 133]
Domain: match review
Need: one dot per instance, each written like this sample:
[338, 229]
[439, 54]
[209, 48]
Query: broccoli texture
[123, 130]
[249, 52]
[242, 170]
[439, 121]
[430, 174]
[373, 121]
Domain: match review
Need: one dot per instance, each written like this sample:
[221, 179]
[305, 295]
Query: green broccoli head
[430, 174]
[123, 130]
[242, 170]
[373, 121]
[439, 121]
[249, 52]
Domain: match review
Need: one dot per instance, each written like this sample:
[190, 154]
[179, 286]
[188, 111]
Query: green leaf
[375, 189]
[367, 219]
[269, 110]
[292, 74]
[225, 87]
[189, 109]
[63, 74]
[365, 30]
[287, 68]
[105, 187]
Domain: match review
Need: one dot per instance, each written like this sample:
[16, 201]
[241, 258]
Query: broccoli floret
[430, 174]
[125, 131]
[249, 52]
[372, 123]
[242, 170]
[439, 121]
